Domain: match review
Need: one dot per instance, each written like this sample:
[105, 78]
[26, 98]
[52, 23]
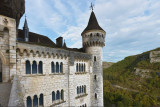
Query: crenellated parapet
[94, 38]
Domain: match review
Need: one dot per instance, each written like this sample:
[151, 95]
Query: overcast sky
[132, 26]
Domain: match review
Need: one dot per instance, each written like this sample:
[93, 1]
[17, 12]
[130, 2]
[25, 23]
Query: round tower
[93, 41]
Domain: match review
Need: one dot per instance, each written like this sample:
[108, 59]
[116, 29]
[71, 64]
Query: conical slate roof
[25, 23]
[92, 24]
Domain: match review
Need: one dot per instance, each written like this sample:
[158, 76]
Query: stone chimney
[59, 42]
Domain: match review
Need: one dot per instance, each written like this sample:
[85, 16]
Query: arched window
[58, 95]
[95, 77]
[77, 90]
[34, 67]
[62, 95]
[57, 67]
[0, 70]
[28, 67]
[52, 67]
[35, 101]
[41, 100]
[80, 90]
[84, 67]
[95, 59]
[77, 67]
[61, 67]
[40, 67]
[29, 101]
[53, 96]
[95, 96]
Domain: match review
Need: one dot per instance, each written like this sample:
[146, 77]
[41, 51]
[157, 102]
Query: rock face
[13, 9]
[155, 56]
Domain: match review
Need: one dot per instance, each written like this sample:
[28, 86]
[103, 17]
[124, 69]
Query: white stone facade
[78, 87]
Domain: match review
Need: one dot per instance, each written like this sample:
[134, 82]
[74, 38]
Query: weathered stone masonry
[42, 73]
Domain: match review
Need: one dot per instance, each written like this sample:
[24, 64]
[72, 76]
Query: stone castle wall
[35, 84]
[8, 47]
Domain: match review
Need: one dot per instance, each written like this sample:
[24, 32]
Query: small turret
[64, 44]
[93, 34]
[26, 31]
[93, 40]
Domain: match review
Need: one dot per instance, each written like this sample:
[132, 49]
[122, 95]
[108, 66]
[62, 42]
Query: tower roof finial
[92, 6]
[25, 23]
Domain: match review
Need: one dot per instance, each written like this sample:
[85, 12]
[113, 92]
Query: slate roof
[92, 24]
[42, 41]
[36, 39]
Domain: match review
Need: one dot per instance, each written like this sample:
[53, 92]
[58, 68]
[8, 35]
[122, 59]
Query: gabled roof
[92, 24]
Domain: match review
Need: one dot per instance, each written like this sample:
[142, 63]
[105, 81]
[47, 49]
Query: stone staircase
[5, 89]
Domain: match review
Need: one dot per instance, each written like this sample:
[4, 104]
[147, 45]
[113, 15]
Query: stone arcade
[34, 71]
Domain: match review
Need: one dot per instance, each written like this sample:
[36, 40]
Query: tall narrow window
[35, 101]
[29, 101]
[95, 59]
[80, 89]
[58, 95]
[95, 96]
[41, 100]
[95, 77]
[85, 89]
[52, 67]
[53, 96]
[57, 67]
[62, 95]
[28, 67]
[61, 67]
[77, 90]
[82, 68]
[34, 67]
[77, 67]
[40, 67]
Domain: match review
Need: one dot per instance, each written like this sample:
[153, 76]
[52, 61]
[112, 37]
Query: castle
[34, 71]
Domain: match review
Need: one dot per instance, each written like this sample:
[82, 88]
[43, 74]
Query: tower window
[95, 77]
[95, 59]
[95, 96]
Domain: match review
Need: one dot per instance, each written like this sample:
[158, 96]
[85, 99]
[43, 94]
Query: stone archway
[0, 70]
